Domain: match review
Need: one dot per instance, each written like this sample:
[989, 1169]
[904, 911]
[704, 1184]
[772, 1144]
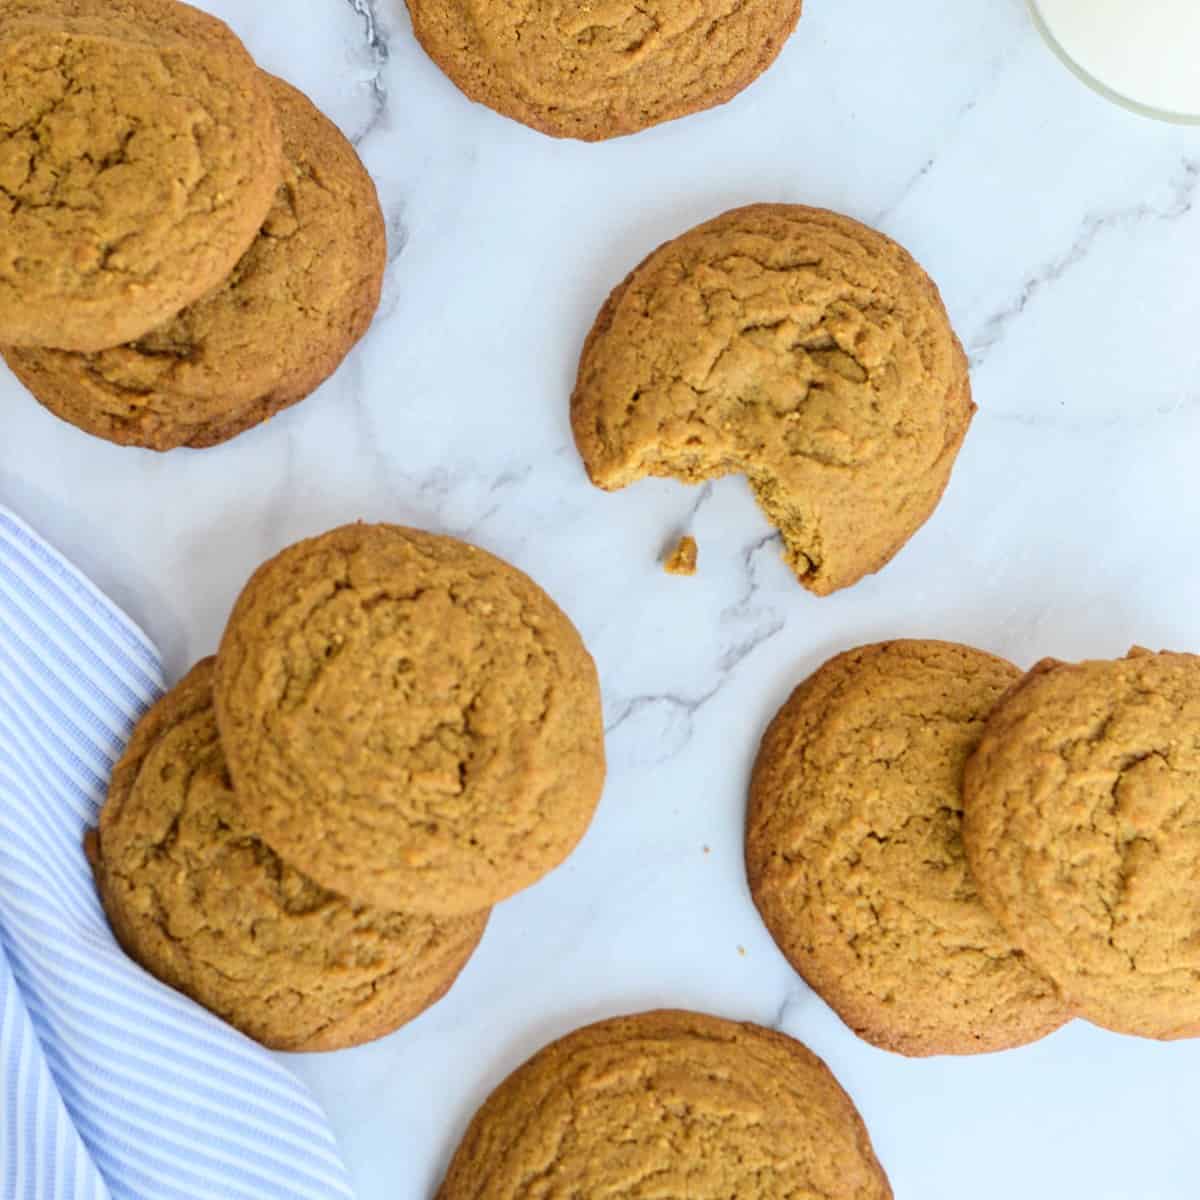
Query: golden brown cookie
[1083, 830]
[294, 306]
[796, 347]
[855, 857]
[601, 68]
[408, 719]
[139, 155]
[668, 1104]
[211, 910]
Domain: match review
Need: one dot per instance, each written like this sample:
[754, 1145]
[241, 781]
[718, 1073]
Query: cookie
[210, 909]
[668, 1104]
[602, 68]
[855, 857]
[800, 349]
[408, 719]
[1083, 830]
[294, 306]
[139, 156]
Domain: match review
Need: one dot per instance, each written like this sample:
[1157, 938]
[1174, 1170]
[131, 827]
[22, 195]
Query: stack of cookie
[187, 246]
[959, 859]
[306, 835]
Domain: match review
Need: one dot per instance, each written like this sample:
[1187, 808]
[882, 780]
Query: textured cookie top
[799, 348]
[294, 305]
[139, 155]
[602, 68]
[855, 856]
[210, 909]
[669, 1105]
[1083, 830]
[409, 719]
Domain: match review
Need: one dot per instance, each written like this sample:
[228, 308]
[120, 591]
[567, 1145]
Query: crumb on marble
[682, 560]
[707, 849]
[742, 951]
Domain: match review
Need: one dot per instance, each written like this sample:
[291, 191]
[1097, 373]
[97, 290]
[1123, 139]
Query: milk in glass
[1146, 51]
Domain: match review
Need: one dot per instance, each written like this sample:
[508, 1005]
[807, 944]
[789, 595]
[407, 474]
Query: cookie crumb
[707, 849]
[742, 951]
[682, 560]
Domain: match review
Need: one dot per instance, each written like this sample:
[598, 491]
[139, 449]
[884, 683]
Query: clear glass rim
[1144, 110]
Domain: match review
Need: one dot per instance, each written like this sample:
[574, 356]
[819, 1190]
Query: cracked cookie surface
[602, 68]
[670, 1105]
[209, 909]
[292, 309]
[796, 347]
[855, 856]
[409, 719]
[139, 156]
[1083, 829]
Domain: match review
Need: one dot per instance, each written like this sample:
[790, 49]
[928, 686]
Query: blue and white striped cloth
[112, 1086]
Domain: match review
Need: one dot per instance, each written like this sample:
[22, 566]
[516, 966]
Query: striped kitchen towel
[112, 1086]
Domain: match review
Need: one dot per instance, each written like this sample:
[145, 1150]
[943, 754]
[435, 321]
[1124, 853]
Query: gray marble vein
[379, 53]
[795, 1000]
[1095, 227]
[663, 723]
[751, 624]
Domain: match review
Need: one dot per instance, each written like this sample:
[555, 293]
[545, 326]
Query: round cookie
[668, 1104]
[1083, 830]
[855, 857]
[607, 68]
[796, 347]
[294, 306]
[409, 719]
[211, 910]
[139, 156]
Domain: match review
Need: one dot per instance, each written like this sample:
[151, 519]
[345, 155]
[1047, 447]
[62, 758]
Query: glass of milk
[1144, 54]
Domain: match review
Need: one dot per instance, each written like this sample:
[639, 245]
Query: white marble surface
[1064, 234]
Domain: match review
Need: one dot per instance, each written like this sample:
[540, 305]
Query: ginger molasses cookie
[800, 349]
[602, 68]
[855, 857]
[668, 1104]
[294, 306]
[139, 156]
[409, 719]
[1083, 830]
[210, 909]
